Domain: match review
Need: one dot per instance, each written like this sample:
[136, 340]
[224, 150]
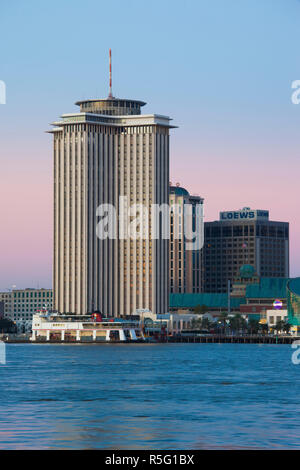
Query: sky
[222, 69]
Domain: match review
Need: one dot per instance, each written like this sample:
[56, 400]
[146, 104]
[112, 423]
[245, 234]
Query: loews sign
[244, 214]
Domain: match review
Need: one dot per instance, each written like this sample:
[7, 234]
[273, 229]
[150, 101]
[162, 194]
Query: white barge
[56, 327]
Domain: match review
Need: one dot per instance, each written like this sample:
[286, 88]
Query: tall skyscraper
[185, 265]
[243, 237]
[107, 150]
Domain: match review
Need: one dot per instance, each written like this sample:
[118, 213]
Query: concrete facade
[107, 151]
[185, 265]
[244, 237]
[22, 304]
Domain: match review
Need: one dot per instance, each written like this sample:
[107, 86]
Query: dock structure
[247, 339]
[216, 339]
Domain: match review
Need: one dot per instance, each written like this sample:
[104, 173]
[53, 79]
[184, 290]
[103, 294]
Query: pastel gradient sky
[221, 69]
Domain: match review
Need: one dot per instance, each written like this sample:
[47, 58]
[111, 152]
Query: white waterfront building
[83, 328]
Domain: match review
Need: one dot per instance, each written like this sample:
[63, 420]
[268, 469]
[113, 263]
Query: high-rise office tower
[106, 151]
[185, 265]
[243, 237]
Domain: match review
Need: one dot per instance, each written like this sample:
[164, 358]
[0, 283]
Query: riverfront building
[105, 151]
[274, 316]
[185, 265]
[253, 301]
[22, 304]
[244, 237]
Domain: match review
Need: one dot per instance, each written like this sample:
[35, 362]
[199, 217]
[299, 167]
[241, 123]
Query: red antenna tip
[110, 76]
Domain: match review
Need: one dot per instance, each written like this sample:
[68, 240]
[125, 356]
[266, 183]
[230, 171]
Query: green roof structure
[247, 271]
[179, 191]
[268, 288]
[210, 300]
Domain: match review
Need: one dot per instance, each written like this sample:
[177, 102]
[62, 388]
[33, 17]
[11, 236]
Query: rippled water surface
[152, 396]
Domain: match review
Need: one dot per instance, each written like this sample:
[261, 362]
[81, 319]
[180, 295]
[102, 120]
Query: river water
[149, 396]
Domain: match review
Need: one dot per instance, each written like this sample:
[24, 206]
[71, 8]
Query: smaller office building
[244, 237]
[185, 264]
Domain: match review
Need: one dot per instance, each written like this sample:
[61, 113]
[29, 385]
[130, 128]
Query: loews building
[185, 265]
[244, 237]
[106, 150]
[22, 304]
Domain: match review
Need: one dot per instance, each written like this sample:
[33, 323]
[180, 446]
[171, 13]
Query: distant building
[1, 309]
[186, 303]
[273, 316]
[247, 275]
[171, 322]
[243, 237]
[22, 304]
[260, 296]
[254, 300]
[185, 265]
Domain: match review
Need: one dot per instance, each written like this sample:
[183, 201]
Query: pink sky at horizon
[26, 204]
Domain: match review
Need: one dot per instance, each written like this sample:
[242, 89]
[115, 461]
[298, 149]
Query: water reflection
[149, 397]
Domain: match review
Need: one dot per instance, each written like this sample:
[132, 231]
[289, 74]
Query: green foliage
[282, 325]
[237, 323]
[200, 309]
[253, 326]
[201, 324]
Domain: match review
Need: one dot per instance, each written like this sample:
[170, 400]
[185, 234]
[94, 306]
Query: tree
[201, 323]
[286, 327]
[223, 319]
[196, 323]
[263, 328]
[253, 326]
[279, 326]
[206, 324]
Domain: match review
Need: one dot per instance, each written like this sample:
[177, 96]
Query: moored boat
[57, 327]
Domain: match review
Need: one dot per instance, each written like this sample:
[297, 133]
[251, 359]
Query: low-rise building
[260, 296]
[171, 322]
[188, 303]
[249, 298]
[273, 316]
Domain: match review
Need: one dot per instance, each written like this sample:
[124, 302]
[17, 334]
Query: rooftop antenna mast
[110, 79]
